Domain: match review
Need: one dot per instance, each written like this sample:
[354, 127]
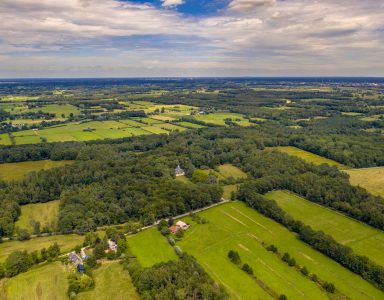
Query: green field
[228, 189]
[308, 156]
[66, 243]
[363, 239]
[92, 130]
[150, 247]
[228, 170]
[47, 282]
[219, 119]
[372, 179]
[57, 109]
[235, 226]
[111, 283]
[190, 125]
[14, 171]
[45, 213]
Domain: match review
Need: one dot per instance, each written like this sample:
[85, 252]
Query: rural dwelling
[112, 245]
[173, 229]
[179, 225]
[182, 225]
[179, 171]
[75, 259]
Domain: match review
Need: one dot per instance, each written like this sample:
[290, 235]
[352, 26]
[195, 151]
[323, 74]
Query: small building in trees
[179, 171]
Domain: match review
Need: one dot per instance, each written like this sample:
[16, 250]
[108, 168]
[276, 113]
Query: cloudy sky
[111, 38]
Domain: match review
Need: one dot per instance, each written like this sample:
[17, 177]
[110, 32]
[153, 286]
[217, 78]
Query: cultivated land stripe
[232, 217]
[222, 282]
[252, 220]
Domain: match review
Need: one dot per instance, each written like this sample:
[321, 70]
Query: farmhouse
[179, 171]
[179, 225]
[75, 259]
[112, 245]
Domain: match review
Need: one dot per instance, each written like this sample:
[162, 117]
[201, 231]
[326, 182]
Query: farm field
[45, 213]
[57, 109]
[372, 179]
[15, 171]
[66, 243]
[308, 156]
[150, 247]
[237, 227]
[111, 283]
[228, 170]
[219, 119]
[45, 282]
[92, 130]
[227, 189]
[190, 125]
[363, 239]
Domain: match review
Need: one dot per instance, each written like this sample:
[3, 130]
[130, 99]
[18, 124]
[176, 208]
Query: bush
[246, 268]
[234, 257]
[304, 271]
[272, 248]
[314, 278]
[178, 251]
[329, 287]
[283, 297]
[171, 241]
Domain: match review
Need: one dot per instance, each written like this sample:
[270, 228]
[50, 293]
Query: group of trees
[181, 279]
[21, 261]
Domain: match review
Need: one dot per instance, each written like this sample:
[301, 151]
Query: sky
[172, 38]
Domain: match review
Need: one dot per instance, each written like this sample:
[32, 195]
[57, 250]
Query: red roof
[173, 229]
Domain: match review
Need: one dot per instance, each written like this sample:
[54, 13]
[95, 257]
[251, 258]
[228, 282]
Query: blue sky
[122, 38]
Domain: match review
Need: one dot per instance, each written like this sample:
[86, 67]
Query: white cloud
[296, 36]
[249, 6]
[172, 2]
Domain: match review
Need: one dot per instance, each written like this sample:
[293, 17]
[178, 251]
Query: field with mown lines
[363, 239]
[235, 226]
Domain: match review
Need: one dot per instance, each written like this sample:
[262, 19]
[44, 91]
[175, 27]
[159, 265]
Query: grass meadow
[228, 170]
[219, 119]
[15, 171]
[111, 283]
[45, 213]
[308, 156]
[45, 282]
[237, 227]
[363, 239]
[92, 130]
[66, 243]
[372, 179]
[150, 247]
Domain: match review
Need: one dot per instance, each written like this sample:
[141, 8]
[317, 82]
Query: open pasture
[58, 110]
[308, 156]
[15, 171]
[228, 170]
[372, 179]
[150, 247]
[45, 213]
[190, 125]
[46, 282]
[363, 239]
[111, 283]
[220, 118]
[92, 130]
[66, 243]
[237, 227]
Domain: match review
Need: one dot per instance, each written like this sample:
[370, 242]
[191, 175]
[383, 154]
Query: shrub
[329, 287]
[246, 268]
[234, 257]
[304, 271]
